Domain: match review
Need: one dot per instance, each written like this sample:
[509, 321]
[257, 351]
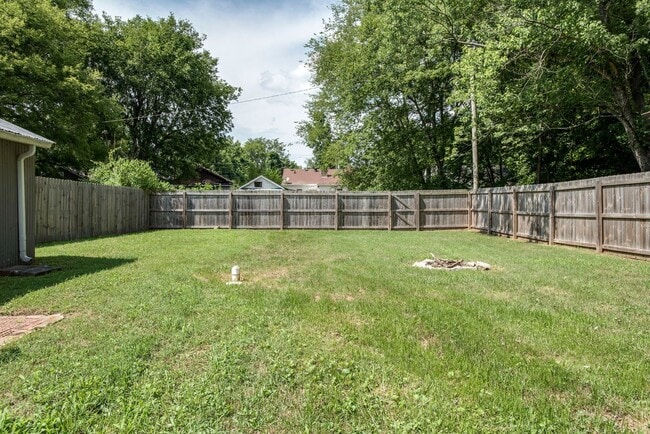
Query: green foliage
[128, 173]
[47, 84]
[259, 156]
[559, 75]
[266, 157]
[560, 87]
[384, 110]
[73, 78]
[175, 104]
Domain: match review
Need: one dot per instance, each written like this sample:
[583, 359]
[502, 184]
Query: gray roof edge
[9, 131]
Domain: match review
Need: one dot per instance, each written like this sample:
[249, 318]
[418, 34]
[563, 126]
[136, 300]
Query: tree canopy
[560, 87]
[259, 156]
[174, 104]
[47, 82]
[142, 88]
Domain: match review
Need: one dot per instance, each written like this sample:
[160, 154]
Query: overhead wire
[277, 95]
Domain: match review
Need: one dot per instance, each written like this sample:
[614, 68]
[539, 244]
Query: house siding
[9, 152]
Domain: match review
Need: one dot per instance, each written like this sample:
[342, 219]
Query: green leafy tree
[259, 156]
[561, 87]
[383, 110]
[47, 82]
[266, 157]
[174, 103]
[545, 71]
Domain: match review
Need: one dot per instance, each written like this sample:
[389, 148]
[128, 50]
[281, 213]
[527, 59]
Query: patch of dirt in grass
[339, 297]
[429, 341]
[583, 393]
[266, 275]
[500, 295]
[552, 290]
[355, 320]
[623, 422]
[193, 359]
[336, 336]
[200, 278]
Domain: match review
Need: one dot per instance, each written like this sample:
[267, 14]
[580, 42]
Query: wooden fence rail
[406, 210]
[611, 213]
[69, 210]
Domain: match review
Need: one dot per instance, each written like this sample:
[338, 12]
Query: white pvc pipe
[22, 211]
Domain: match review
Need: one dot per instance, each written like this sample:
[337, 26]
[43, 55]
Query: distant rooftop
[9, 131]
[310, 177]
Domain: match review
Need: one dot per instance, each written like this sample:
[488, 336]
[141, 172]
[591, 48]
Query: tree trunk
[641, 152]
[630, 119]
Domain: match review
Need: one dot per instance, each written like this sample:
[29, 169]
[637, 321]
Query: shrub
[128, 173]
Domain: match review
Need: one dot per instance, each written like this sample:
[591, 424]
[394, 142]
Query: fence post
[184, 209]
[551, 215]
[230, 213]
[282, 210]
[336, 211]
[489, 219]
[515, 212]
[469, 210]
[599, 216]
[417, 211]
[390, 211]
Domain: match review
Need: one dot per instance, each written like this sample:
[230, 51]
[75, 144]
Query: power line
[274, 96]
[233, 103]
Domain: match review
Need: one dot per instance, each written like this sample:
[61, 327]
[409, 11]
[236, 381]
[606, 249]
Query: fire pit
[451, 264]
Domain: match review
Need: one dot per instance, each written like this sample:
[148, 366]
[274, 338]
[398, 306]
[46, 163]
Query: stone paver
[13, 327]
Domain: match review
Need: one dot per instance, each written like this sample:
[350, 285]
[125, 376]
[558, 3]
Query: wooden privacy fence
[69, 210]
[311, 210]
[610, 213]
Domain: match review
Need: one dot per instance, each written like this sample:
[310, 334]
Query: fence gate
[404, 211]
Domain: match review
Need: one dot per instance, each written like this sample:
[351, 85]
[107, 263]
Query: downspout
[22, 209]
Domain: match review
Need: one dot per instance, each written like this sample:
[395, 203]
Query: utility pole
[472, 102]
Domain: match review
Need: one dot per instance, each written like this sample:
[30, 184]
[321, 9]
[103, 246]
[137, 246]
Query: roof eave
[6, 135]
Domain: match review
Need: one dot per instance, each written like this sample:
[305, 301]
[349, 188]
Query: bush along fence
[311, 210]
[611, 213]
[70, 210]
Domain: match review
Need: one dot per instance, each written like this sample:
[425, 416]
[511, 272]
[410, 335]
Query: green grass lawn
[331, 332]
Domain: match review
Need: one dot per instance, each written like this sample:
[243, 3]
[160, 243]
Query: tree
[47, 83]
[266, 157]
[560, 88]
[556, 66]
[174, 103]
[259, 156]
[385, 77]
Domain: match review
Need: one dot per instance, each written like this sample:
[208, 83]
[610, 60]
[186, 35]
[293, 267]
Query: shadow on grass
[71, 267]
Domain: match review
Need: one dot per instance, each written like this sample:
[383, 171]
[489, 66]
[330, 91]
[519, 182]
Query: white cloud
[261, 49]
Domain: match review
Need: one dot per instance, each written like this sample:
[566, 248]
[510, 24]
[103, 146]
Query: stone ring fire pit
[451, 264]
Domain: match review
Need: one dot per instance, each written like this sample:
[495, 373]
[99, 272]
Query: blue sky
[260, 47]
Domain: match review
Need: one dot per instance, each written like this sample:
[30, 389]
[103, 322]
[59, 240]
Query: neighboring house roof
[310, 176]
[214, 175]
[9, 131]
[207, 176]
[261, 178]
